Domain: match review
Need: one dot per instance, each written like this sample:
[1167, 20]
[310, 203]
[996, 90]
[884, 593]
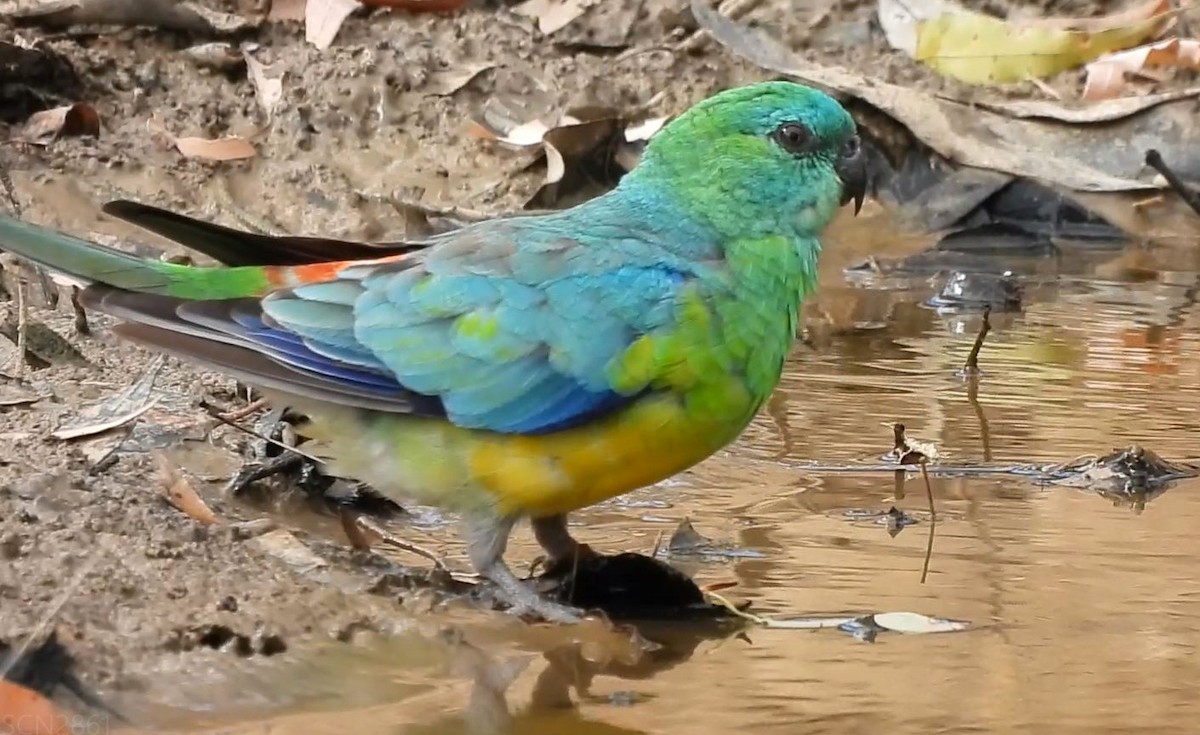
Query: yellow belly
[463, 469]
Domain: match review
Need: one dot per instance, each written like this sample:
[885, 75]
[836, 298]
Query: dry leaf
[25, 712]
[552, 15]
[448, 81]
[1106, 75]
[115, 410]
[42, 128]
[17, 395]
[417, 6]
[570, 141]
[980, 49]
[268, 84]
[323, 19]
[644, 130]
[288, 549]
[189, 17]
[524, 135]
[287, 10]
[232, 148]
[217, 55]
[1081, 113]
[180, 493]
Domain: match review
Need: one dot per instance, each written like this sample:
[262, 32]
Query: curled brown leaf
[180, 493]
[43, 128]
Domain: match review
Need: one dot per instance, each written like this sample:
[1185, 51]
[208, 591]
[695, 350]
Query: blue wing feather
[512, 325]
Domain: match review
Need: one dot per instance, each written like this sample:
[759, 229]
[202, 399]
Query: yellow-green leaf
[980, 49]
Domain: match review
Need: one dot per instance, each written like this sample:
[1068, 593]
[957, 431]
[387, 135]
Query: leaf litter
[553, 15]
[174, 15]
[267, 81]
[180, 493]
[228, 148]
[43, 128]
[287, 10]
[981, 49]
[1108, 75]
[323, 19]
[1076, 156]
[116, 410]
[443, 82]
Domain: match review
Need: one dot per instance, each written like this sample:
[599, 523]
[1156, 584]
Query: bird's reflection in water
[566, 678]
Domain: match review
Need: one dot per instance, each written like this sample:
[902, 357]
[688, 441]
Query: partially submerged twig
[392, 540]
[985, 434]
[928, 490]
[932, 522]
[354, 532]
[971, 368]
[241, 413]
[657, 545]
[219, 416]
[1189, 195]
[899, 443]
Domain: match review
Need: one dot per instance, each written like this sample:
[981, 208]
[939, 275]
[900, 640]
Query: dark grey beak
[851, 168]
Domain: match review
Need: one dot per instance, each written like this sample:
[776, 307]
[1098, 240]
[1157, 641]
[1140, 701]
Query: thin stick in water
[1189, 195]
[932, 522]
[971, 368]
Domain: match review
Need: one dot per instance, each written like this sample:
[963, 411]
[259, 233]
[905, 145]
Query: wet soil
[139, 592]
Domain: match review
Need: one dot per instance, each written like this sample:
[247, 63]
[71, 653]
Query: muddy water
[1085, 610]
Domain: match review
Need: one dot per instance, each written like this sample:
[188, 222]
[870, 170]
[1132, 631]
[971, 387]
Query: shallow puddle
[1084, 610]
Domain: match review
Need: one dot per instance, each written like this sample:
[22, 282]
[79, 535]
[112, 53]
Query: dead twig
[657, 545]
[971, 367]
[391, 539]
[985, 434]
[1189, 195]
[354, 532]
[82, 327]
[899, 442]
[241, 413]
[932, 522]
[10, 191]
[22, 327]
[211, 411]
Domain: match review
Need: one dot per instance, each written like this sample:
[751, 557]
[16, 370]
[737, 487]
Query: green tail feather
[99, 264]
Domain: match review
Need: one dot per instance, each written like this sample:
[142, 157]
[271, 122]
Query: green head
[775, 158]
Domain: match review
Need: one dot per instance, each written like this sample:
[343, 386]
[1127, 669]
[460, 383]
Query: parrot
[526, 366]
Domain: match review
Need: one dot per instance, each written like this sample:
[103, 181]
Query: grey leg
[552, 534]
[487, 538]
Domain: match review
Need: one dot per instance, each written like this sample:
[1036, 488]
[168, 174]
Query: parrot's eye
[794, 138]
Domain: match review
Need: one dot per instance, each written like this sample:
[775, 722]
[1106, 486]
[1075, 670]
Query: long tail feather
[94, 263]
[236, 247]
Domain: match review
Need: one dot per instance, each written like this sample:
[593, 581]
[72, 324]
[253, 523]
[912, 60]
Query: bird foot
[579, 555]
[524, 601]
